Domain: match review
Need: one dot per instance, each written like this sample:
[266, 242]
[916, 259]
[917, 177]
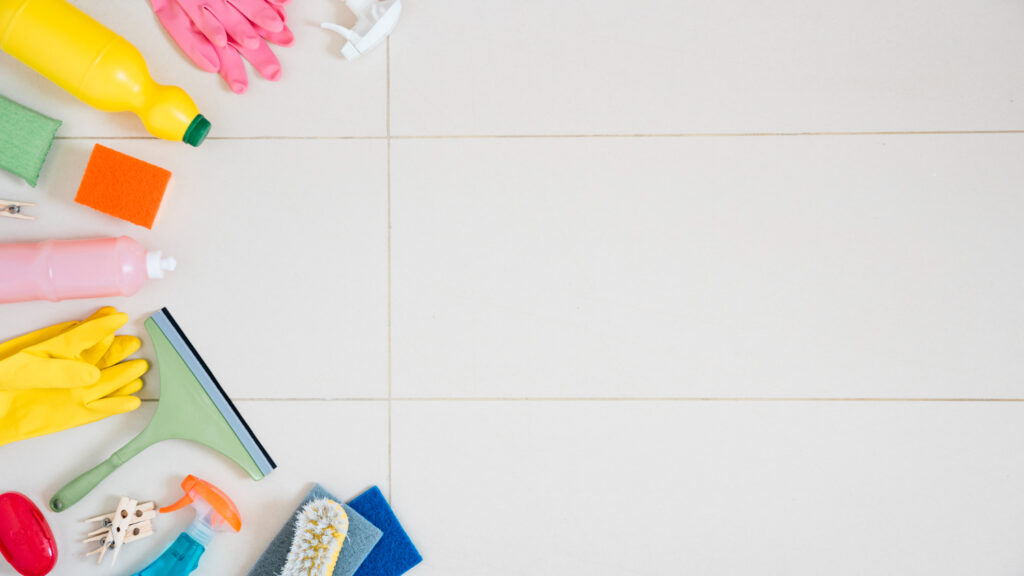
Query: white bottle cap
[156, 264]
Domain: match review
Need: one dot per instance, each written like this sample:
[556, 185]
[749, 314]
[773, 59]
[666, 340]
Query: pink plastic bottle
[65, 269]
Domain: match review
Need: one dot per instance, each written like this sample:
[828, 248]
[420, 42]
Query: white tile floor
[590, 289]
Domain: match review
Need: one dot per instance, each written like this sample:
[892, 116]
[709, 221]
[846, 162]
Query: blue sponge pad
[395, 553]
[361, 538]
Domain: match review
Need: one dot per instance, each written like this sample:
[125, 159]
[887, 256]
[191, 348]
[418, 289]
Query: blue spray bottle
[215, 512]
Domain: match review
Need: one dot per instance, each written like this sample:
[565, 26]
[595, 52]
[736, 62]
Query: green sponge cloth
[25, 139]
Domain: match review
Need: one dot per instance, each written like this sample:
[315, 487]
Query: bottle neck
[200, 531]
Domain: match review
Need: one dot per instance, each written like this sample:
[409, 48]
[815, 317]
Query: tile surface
[714, 488]
[584, 67]
[735, 267]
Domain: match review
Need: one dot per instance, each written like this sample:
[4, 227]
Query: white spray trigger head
[375, 20]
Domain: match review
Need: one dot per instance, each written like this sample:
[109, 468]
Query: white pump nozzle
[156, 264]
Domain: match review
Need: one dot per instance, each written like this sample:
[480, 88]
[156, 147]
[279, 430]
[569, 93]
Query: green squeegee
[192, 406]
[25, 139]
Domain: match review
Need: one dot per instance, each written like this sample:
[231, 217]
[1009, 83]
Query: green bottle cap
[197, 131]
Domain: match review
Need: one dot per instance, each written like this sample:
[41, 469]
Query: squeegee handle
[75, 490]
[79, 487]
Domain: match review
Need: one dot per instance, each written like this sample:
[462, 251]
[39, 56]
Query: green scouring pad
[25, 139]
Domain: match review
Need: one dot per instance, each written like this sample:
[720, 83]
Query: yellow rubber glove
[65, 355]
[35, 412]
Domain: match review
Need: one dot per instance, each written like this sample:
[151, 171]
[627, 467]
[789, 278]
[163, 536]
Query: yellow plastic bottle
[99, 67]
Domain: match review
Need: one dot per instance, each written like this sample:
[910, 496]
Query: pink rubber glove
[218, 34]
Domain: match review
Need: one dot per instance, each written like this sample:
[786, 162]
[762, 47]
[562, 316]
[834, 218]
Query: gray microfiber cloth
[25, 139]
[361, 538]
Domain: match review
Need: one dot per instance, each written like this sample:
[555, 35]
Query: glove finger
[105, 311]
[264, 61]
[282, 38]
[232, 69]
[260, 13]
[15, 345]
[239, 28]
[192, 42]
[128, 389]
[279, 8]
[115, 377]
[204, 21]
[25, 371]
[110, 406]
[210, 25]
[122, 347]
[93, 353]
[72, 343]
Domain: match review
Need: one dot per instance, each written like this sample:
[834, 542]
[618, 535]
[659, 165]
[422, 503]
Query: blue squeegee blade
[202, 372]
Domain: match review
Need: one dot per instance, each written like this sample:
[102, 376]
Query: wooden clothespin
[131, 521]
[12, 209]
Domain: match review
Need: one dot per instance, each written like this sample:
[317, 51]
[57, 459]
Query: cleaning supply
[65, 355]
[67, 375]
[65, 269]
[395, 554]
[122, 186]
[97, 66]
[192, 406]
[215, 512]
[26, 541]
[25, 139]
[13, 209]
[361, 538]
[218, 35]
[131, 521]
[375, 20]
[38, 412]
[319, 535]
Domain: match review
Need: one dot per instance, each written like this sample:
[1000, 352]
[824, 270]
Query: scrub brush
[320, 531]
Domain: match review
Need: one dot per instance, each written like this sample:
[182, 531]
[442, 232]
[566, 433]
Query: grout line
[228, 138]
[391, 399]
[387, 130]
[388, 136]
[701, 399]
[294, 399]
[387, 88]
[707, 134]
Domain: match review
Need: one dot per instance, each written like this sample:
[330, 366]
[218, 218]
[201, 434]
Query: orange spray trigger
[224, 510]
[185, 501]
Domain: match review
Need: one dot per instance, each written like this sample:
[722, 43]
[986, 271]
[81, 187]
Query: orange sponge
[123, 186]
